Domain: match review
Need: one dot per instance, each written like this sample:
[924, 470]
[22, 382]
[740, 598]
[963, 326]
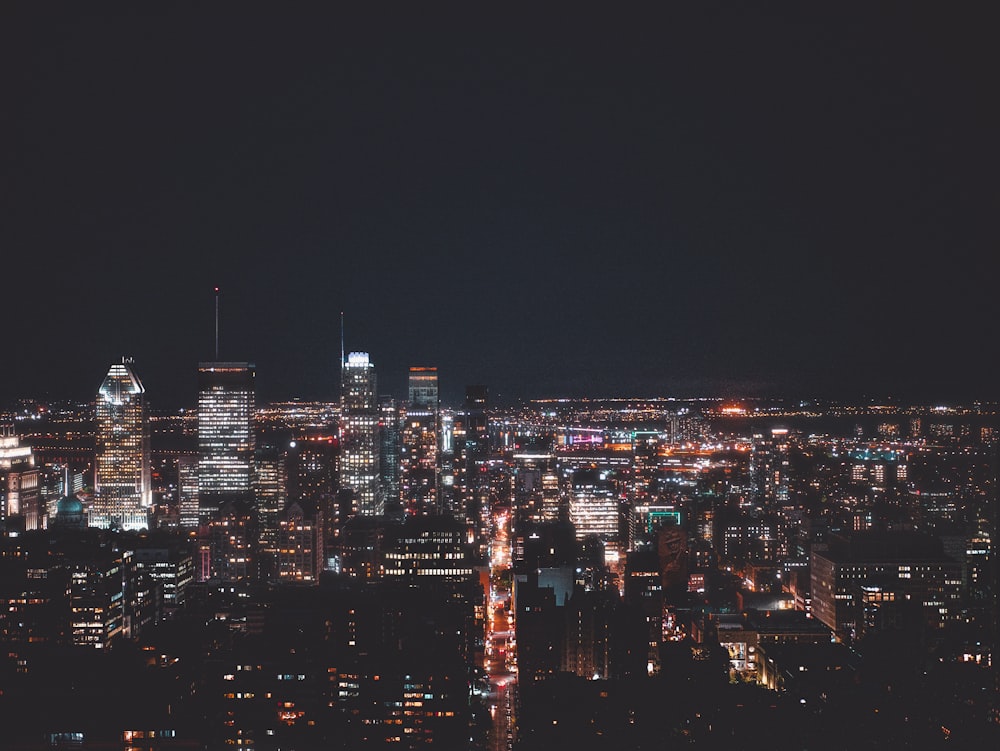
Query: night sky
[668, 199]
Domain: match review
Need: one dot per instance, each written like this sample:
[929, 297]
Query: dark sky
[663, 199]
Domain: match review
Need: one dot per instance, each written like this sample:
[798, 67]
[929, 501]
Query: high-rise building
[862, 571]
[122, 485]
[311, 472]
[270, 491]
[233, 537]
[187, 490]
[19, 481]
[359, 444]
[225, 435]
[423, 388]
[593, 509]
[475, 453]
[300, 543]
[389, 451]
[97, 588]
[172, 566]
[449, 494]
[420, 455]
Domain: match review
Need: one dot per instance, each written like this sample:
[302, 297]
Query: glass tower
[423, 388]
[122, 488]
[225, 435]
[420, 461]
[359, 440]
[389, 451]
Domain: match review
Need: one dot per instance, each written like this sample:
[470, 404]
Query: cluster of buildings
[322, 574]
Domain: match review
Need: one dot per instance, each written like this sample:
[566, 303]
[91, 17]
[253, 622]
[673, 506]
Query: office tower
[449, 495]
[270, 492]
[593, 509]
[388, 426]
[97, 594]
[311, 472]
[645, 519]
[232, 536]
[429, 550]
[359, 445]
[769, 467]
[536, 486]
[475, 453]
[419, 460]
[122, 486]
[423, 389]
[863, 572]
[300, 557]
[187, 491]
[171, 566]
[19, 480]
[644, 593]
[477, 428]
[225, 435]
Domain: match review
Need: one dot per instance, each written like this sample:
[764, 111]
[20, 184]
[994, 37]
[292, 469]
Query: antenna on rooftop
[216, 324]
[342, 360]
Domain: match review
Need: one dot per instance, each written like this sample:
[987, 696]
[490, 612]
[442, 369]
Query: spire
[216, 324]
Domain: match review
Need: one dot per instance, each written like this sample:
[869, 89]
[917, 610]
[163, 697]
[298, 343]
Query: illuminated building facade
[644, 591]
[122, 485]
[225, 435]
[388, 427]
[423, 389]
[425, 549]
[97, 591]
[863, 570]
[593, 507]
[420, 455]
[172, 567]
[474, 456]
[300, 557]
[187, 490]
[232, 538]
[646, 518]
[359, 440]
[19, 483]
[536, 486]
[270, 486]
[769, 467]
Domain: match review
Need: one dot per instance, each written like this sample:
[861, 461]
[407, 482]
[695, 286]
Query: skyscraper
[420, 460]
[122, 487]
[20, 502]
[423, 387]
[389, 451]
[475, 452]
[187, 490]
[225, 435]
[359, 444]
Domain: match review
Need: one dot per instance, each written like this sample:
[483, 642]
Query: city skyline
[680, 201]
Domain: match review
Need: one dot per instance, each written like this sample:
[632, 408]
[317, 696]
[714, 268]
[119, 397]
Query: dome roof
[69, 506]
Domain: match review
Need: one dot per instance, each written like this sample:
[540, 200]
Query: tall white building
[122, 488]
[226, 439]
[359, 440]
[593, 509]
